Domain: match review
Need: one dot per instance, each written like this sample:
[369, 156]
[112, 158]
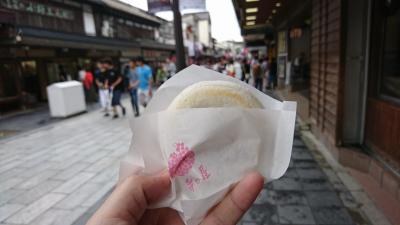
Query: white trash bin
[66, 98]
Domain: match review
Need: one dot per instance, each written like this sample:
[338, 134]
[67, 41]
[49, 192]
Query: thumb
[130, 198]
[141, 191]
[155, 187]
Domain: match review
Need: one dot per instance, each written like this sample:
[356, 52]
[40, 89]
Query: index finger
[236, 202]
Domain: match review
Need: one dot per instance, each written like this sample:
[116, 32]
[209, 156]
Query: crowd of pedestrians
[261, 72]
[138, 79]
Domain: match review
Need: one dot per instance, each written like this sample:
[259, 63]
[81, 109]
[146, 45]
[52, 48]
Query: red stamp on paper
[181, 161]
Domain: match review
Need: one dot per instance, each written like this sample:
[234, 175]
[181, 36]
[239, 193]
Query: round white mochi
[215, 94]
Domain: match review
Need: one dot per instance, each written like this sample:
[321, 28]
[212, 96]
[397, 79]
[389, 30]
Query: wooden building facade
[326, 68]
[353, 100]
[355, 79]
[42, 40]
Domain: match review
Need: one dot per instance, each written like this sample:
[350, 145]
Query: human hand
[128, 203]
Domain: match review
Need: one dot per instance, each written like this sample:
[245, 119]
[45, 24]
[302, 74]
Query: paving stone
[269, 186]
[67, 162]
[5, 196]
[315, 184]
[34, 181]
[287, 197]
[50, 217]
[119, 152]
[9, 209]
[77, 197]
[261, 214]
[11, 173]
[287, 183]
[29, 196]
[4, 159]
[291, 172]
[95, 157]
[290, 214]
[298, 142]
[310, 173]
[302, 155]
[108, 174]
[332, 215]
[101, 164]
[12, 182]
[249, 223]
[28, 173]
[10, 165]
[71, 171]
[323, 198]
[36, 161]
[291, 164]
[305, 163]
[264, 197]
[74, 183]
[33, 210]
[71, 217]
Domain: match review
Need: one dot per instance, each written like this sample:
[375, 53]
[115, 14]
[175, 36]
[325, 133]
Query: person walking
[264, 70]
[88, 84]
[272, 78]
[116, 85]
[81, 73]
[246, 68]
[160, 74]
[230, 68]
[257, 74]
[171, 68]
[145, 81]
[101, 82]
[238, 69]
[132, 86]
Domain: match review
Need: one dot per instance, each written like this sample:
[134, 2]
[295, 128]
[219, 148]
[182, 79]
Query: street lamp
[179, 48]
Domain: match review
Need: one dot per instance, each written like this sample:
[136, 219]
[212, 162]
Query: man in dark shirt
[116, 85]
[104, 93]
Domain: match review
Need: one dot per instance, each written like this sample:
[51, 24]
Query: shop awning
[156, 45]
[257, 18]
[46, 38]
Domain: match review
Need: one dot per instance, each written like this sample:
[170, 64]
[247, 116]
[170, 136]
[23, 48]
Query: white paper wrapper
[214, 147]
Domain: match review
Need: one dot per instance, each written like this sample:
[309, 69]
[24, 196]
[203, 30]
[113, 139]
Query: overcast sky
[224, 25]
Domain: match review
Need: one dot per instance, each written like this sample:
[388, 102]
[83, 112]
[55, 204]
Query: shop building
[349, 92]
[197, 33]
[42, 42]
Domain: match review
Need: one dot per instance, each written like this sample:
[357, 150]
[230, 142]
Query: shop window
[389, 85]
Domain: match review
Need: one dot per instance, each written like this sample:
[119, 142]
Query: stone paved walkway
[54, 174]
[60, 174]
[309, 193]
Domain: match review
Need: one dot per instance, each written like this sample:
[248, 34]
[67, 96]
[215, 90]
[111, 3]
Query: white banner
[192, 4]
[155, 6]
